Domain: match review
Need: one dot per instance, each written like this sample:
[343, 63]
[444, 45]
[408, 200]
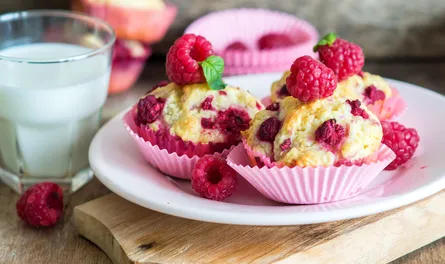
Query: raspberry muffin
[321, 133]
[193, 119]
[145, 21]
[346, 61]
[129, 57]
[311, 147]
[364, 86]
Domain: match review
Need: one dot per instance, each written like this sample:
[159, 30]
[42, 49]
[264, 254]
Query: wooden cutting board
[129, 233]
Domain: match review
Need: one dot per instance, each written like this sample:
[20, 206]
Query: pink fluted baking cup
[309, 185]
[180, 166]
[248, 25]
[390, 109]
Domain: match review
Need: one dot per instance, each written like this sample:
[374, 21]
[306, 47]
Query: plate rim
[249, 218]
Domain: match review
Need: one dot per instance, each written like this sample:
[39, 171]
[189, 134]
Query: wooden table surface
[62, 244]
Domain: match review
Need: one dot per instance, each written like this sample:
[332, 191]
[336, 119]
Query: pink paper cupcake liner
[145, 25]
[248, 26]
[308, 185]
[391, 109]
[170, 163]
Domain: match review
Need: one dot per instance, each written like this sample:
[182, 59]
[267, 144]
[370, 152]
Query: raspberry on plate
[310, 80]
[274, 40]
[212, 178]
[182, 65]
[41, 205]
[343, 57]
[402, 140]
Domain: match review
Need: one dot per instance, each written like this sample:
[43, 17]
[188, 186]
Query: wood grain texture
[132, 234]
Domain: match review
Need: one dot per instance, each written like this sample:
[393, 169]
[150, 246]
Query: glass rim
[11, 16]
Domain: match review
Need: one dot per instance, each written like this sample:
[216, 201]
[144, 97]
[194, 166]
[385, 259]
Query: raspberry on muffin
[321, 133]
[195, 114]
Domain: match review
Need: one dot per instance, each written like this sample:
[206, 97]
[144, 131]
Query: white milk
[49, 113]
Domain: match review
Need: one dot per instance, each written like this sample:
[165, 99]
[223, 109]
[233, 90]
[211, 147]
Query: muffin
[193, 119]
[370, 89]
[311, 147]
[326, 132]
[129, 57]
[145, 21]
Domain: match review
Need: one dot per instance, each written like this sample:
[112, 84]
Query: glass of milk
[54, 74]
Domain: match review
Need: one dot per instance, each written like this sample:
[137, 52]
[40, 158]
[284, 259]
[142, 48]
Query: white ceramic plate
[117, 163]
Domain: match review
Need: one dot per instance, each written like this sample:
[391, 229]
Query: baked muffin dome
[325, 132]
[366, 87]
[197, 114]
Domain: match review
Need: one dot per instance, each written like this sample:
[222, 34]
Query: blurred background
[395, 29]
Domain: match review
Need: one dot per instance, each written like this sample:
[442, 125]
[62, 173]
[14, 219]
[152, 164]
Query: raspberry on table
[237, 45]
[356, 109]
[149, 109]
[373, 94]
[310, 80]
[41, 205]
[182, 65]
[275, 40]
[330, 133]
[343, 57]
[269, 129]
[212, 178]
[402, 140]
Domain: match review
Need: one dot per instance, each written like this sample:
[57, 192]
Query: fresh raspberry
[310, 80]
[283, 92]
[238, 46]
[182, 59]
[207, 123]
[343, 57]
[285, 145]
[356, 110]
[273, 107]
[207, 103]
[402, 140]
[373, 94]
[160, 84]
[41, 205]
[222, 92]
[274, 40]
[232, 121]
[330, 133]
[212, 178]
[149, 109]
[269, 129]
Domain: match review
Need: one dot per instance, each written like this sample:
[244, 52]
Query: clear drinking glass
[54, 73]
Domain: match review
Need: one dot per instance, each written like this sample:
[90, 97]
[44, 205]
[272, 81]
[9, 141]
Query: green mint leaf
[328, 39]
[213, 68]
